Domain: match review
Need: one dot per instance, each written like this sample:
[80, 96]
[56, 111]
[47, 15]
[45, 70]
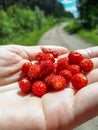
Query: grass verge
[28, 39]
[91, 36]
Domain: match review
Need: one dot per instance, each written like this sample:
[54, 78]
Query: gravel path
[57, 36]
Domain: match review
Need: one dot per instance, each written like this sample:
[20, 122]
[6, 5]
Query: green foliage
[73, 27]
[18, 21]
[28, 39]
[40, 17]
[6, 25]
[24, 18]
[89, 13]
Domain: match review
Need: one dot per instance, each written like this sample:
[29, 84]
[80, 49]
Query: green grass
[89, 36]
[28, 39]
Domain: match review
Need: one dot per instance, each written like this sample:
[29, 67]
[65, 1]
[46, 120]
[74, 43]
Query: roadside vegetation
[86, 25]
[19, 25]
[89, 35]
[24, 22]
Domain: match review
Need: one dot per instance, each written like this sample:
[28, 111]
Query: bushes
[18, 20]
[6, 25]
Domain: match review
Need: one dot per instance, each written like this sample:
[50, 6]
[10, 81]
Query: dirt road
[57, 36]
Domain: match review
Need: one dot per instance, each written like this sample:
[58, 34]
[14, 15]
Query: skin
[63, 110]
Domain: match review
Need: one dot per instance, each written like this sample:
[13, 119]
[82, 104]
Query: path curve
[57, 36]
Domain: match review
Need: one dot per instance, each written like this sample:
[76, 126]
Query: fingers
[61, 50]
[89, 52]
[93, 75]
[10, 79]
[86, 104]
[32, 51]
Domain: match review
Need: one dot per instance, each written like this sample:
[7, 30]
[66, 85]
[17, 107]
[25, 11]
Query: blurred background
[25, 21]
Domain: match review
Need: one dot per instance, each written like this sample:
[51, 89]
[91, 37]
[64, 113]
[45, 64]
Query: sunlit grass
[28, 39]
[89, 36]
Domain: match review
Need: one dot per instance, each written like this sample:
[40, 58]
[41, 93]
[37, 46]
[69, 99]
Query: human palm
[61, 110]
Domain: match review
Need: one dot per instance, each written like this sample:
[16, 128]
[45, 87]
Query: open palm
[61, 110]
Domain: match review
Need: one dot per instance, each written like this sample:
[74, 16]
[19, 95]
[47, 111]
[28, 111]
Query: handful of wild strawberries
[49, 73]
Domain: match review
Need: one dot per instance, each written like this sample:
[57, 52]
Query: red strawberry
[47, 67]
[48, 79]
[34, 71]
[79, 81]
[40, 56]
[74, 69]
[39, 88]
[49, 56]
[53, 52]
[62, 64]
[58, 82]
[86, 65]
[25, 85]
[25, 67]
[75, 57]
[66, 74]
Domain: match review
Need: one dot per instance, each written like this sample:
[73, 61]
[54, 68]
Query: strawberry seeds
[48, 74]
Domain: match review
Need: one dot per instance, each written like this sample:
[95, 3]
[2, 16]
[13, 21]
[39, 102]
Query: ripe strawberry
[25, 85]
[79, 81]
[58, 82]
[49, 56]
[66, 74]
[48, 79]
[39, 88]
[74, 69]
[62, 64]
[25, 67]
[34, 71]
[47, 67]
[86, 65]
[75, 57]
[40, 56]
[53, 52]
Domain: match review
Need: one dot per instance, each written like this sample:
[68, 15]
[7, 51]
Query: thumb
[33, 50]
[90, 52]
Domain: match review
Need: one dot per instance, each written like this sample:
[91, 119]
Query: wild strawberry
[49, 56]
[75, 57]
[86, 65]
[66, 74]
[39, 88]
[34, 71]
[40, 56]
[48, 79]
[25, 85]
[79, 81]
[62, 63]
[47, 67]
[74, 69]
[53, 52]
[25, 67]
[58, 82]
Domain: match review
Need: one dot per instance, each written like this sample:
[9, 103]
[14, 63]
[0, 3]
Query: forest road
[57, 36]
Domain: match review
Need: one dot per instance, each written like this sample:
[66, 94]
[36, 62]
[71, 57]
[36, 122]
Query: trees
[88, 13]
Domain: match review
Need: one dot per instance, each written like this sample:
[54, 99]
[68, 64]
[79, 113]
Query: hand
[13, 56]
[61, 110]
